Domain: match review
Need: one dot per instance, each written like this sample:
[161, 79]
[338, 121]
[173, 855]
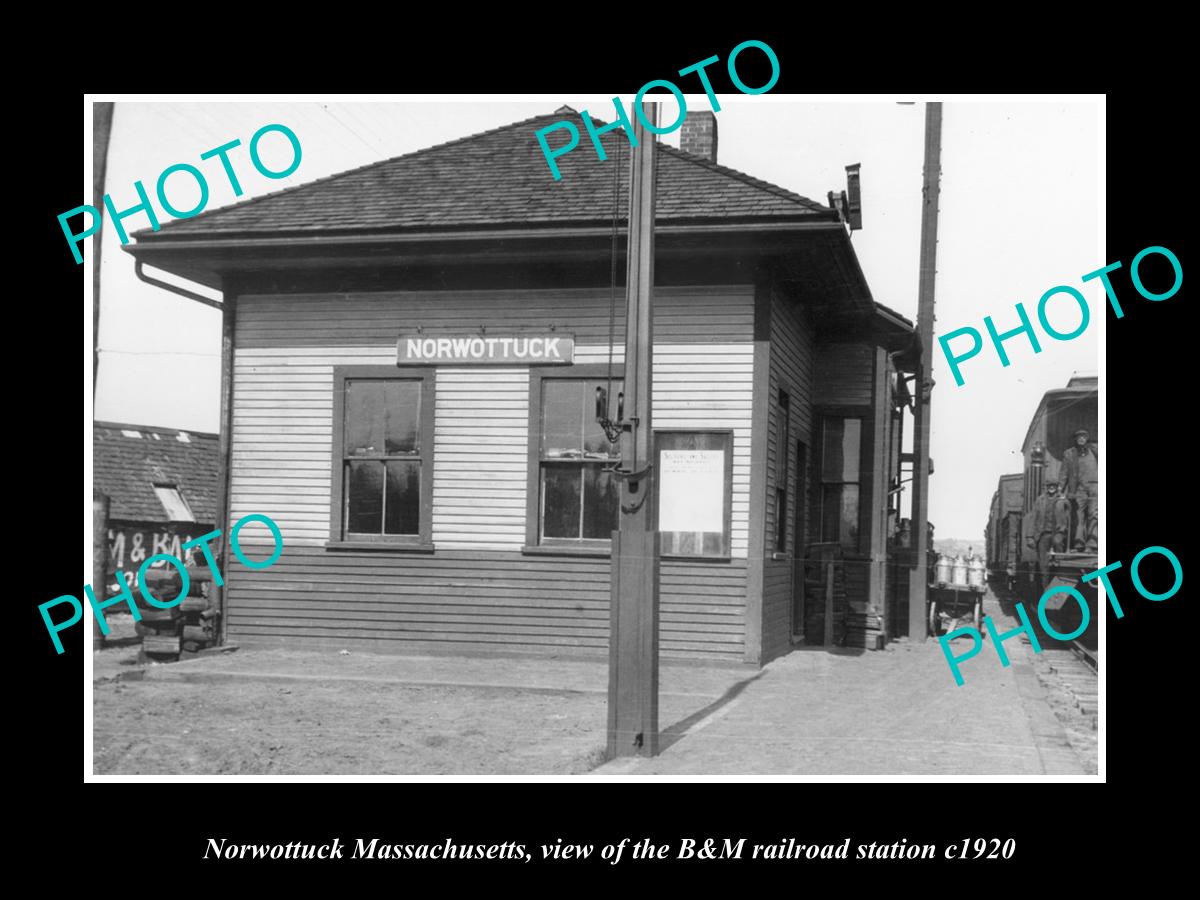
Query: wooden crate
[159, 617]
[166, 644]
[157, 629]
[197, 633]
[193, 606]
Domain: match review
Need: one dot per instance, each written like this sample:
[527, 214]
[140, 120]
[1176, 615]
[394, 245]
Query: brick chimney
[699, 135]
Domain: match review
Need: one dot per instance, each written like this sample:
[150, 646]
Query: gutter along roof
[491, 196]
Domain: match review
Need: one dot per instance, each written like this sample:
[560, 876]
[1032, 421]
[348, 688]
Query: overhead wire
[612, 286]
[359, 137]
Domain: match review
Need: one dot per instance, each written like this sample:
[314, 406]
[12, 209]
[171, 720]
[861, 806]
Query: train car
[989, 533]
[1051, 432]
[1003, 531]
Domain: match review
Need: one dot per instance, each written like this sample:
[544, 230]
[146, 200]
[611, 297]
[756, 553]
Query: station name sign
[486, 349]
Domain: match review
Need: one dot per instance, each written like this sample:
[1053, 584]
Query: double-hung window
[841, 468]
[783, 446]
[382, 456]
[574, 498]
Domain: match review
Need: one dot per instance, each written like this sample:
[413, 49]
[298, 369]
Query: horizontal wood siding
[693, 314]
[791, 370]
[845, 374]
[281, 459]
[481, 456]
[463, 601]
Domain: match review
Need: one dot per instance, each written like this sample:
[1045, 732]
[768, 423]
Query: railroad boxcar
[1003, 530]
[1059, 415]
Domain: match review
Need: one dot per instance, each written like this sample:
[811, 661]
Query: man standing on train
[1079, 481]
[1051, 518]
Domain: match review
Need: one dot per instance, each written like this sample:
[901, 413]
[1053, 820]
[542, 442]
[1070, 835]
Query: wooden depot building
[412, 351]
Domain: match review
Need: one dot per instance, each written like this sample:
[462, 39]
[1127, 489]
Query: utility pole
[918, 577]
[633, 635]
[101, 129]
[100, 507]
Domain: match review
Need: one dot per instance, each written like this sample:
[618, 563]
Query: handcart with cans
[956, 589]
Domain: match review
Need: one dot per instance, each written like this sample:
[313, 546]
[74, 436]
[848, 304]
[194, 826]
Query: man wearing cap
[1051, 518]
[1079, 481]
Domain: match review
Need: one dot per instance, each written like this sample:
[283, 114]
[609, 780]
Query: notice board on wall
[694, 479]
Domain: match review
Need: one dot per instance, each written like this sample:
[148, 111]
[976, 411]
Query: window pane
[783, 445]
[403, 511]
[848, 533]
[173, 503]
[562, 418]
[560, 500]
[831, 504]
[841, 449]
[382, 417]
[851, 441]
[600, 502]
[780, 520]
[364, 490]
[839, 514]
[831, 450]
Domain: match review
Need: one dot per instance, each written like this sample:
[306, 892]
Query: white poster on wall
[692, 490]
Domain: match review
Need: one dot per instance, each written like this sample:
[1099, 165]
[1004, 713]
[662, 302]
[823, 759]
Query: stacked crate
[199, 614]
[187, 627]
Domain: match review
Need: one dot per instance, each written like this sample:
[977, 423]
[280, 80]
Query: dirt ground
[256, 728]
[294, 711]
[278, 712]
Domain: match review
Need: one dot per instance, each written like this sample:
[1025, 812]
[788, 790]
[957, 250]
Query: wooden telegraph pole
[633, 635]
[101, 129]
[918, 577]
[100, 507]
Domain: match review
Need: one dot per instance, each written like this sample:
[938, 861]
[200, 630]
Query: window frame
[534, 544]
[174, 495]
[865, 483]
[423, 540]
[783, 471]
[728, 436]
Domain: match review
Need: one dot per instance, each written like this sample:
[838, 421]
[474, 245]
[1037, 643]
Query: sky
[1020, 212]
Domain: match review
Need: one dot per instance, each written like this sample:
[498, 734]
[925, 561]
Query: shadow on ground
[681, 728]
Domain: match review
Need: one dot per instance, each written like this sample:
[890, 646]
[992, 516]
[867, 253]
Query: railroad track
[1072, 667]
[1088, 657]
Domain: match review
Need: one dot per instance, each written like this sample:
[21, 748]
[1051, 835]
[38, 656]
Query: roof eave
[209, 260]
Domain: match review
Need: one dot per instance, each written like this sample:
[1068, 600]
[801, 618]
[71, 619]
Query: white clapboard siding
[481, 446]
[282, 447]
[692, 314]
[287, 347]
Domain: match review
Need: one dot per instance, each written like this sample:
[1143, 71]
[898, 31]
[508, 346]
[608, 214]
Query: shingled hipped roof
[126, 468]
[498, 178]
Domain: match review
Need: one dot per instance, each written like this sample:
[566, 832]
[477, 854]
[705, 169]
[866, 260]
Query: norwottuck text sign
[485, 349]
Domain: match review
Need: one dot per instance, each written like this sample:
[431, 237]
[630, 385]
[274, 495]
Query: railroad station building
[412, 351]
